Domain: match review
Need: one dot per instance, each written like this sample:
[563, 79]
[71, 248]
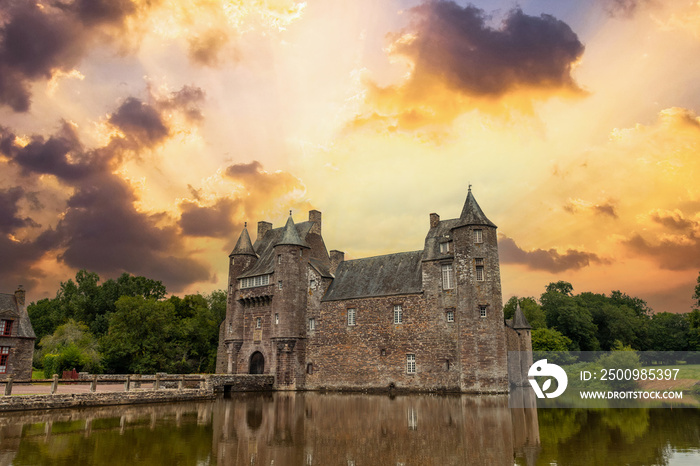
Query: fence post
[127, 383]
[54, 384]
[8, 386]
[93, 384]
[156, 382]
[181, 383]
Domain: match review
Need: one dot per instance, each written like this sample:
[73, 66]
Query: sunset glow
[138, 136]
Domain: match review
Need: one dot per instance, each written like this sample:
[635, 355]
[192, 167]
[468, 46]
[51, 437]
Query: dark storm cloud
[187, 101]
[101, 229]
[61, 155]
[672, 219]
[10, 220]
[244, 169]
[140, 122]
[213, 221]
[206, 48]
[539, 259]
[33, 44]
[669, 253]
[18, 259]
[40, 37]
[93, 12]
[455, 44]
[606, 209]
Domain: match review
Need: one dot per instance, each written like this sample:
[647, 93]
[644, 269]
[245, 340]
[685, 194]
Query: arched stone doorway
[257, 363]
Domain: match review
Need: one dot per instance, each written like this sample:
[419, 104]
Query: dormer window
[478, 236]
[250, 282]
[445, 247]
[6, 328]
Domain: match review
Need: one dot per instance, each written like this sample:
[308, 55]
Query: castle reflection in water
[282, 428]
[354, 430]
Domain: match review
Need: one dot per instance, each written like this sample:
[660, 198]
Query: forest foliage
[126, 325]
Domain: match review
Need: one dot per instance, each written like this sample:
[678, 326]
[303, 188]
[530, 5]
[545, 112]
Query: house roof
[243, 245]
[290, 235]
[10, 309]
[265, 248]
[519, 320]
[472, 213]
[392, 274]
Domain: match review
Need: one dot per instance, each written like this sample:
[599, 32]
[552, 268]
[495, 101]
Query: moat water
[350, 430]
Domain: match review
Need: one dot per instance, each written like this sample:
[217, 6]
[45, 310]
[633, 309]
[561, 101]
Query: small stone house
[16, 337]
[430, 319]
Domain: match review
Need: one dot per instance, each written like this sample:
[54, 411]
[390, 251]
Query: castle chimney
[315, 217]
[263, 227]
[336, 258]
[19, 295]
[434, 220]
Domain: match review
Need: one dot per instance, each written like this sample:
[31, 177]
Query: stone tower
[461, 274]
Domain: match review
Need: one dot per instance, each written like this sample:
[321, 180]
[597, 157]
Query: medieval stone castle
[430, 319]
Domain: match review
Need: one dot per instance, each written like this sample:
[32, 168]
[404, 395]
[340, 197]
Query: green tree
[71, 346]
[563, 313]
[696, 295]
[141, 336]
[547, 339]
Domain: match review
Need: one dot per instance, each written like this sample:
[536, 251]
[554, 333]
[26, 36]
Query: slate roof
[393, 274]
[472, 213]
[519, 320]
[265, 248]
[243, 245]
[291, 236]
[9, 309]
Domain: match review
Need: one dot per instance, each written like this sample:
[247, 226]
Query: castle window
[351, 316]
[479, 262]
[250, 282]
[383, 352]
[309, 368]
[312, 283]
[482, 311]
[279, 285]
[4, 354]
[230, 328]
[450, 316]
[258, 322]
[312, 324]
[444, 247]
[277, 319]
[478, 236]
[410, 363]
[279, 258]
[398, 314]
[447, 277]
[447, 364]
[301, 252]
[5, 328]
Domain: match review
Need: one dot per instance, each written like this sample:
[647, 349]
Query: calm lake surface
[350, 430]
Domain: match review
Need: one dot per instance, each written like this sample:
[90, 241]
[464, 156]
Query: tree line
[126, 326]
[564, 321]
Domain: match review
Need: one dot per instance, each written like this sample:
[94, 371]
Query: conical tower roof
[472, 213]
[290, 236]
[519, 320]
[243, 246]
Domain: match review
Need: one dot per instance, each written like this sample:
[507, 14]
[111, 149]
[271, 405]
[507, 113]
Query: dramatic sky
[139, 135]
